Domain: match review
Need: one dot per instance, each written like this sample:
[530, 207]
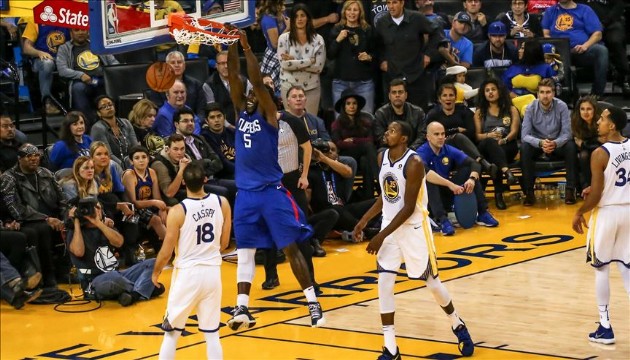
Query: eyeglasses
[106, 106]
[222, 63]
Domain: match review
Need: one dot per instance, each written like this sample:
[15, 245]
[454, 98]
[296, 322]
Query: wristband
[248, 49]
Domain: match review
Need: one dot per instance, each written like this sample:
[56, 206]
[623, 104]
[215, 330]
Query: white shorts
[413, 244]
[608, 236]
[195, 287]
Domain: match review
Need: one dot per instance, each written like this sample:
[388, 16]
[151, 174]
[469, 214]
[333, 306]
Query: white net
[203, 36]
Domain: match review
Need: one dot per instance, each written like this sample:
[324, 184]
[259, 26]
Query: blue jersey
[256, 156]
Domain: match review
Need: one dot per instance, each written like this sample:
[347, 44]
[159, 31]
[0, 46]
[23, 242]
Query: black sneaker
[271, 284]
[128, 298]
[317, 315]
[386, 355]
[158, 290]
[464, 341]
[241, 319]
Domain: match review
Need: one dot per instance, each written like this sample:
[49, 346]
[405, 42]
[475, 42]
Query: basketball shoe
[317, 315]
[241, 319]
[386, 355]
[464, 342]
[602, 335]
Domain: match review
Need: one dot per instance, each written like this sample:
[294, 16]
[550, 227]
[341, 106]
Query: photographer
[326, 186]
[91, 241]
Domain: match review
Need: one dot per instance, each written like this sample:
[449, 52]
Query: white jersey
[393, 180]
[200, 235]
[617, 174]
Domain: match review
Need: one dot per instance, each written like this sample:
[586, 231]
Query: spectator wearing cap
[352, 132]
[461, 47]
[519, 23]
[495, 51]
[553, 59]
[478, 20]
[456, 75]
[407, 59]
[582, 27]
[33, 198]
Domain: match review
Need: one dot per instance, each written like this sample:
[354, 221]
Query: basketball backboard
[123, 25]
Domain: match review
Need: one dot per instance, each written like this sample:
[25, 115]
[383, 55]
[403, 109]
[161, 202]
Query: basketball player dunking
[197, 229]
[608, 199]
[265, 213]
[405, 234]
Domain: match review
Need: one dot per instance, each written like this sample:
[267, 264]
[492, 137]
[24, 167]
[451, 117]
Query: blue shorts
[268, 218]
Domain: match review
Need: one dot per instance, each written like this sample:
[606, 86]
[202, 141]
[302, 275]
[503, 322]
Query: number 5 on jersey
[205, 233]
[247, 141]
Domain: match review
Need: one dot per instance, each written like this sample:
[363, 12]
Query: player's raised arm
[266, 104]
[237, 89]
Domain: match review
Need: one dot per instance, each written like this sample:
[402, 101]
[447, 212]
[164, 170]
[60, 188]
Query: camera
[86, 207]
[321, 145]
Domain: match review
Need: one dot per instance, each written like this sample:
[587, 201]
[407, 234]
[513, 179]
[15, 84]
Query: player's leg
[600, 252]
[303, 276]
[241, 318]
[182, 298]
[604, 333]
[288, 226]
[388, 262]
[418, 250]
[209, 312]
[250, 231]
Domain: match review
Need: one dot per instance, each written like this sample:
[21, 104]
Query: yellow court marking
[348, 278]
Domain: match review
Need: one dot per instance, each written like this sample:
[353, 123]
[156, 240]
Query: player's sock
[450, 311]
[213, 345]
[169, 344]
[309, 292]
[389, 332]
[242, 300]
[604, 318]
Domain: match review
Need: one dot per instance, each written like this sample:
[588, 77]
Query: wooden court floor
[523, 289]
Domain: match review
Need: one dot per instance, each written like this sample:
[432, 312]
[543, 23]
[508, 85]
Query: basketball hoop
[190, 30]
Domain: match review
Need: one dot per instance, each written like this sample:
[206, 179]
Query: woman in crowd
[584, 128]
[111, 193]
[73, 141]
[142, 117]
[80, 183]
[141, 186]
[273, 23]
[458, 121]
[302, 54]
[497, 123]
[117, 133]
[523, 78]
[352, 133]
[351, 46]
[520, 23]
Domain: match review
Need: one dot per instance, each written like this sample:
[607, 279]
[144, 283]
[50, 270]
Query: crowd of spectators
[373, 62]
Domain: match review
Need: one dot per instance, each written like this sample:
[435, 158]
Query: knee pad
[246, 265]
[386, 300]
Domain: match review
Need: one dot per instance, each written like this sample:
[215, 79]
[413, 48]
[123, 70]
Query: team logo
[564, 22]
[155, 144]
[54, 40]
[105, 259]
[144, 192]
[88, 61]
[390, 188]
[445, 161]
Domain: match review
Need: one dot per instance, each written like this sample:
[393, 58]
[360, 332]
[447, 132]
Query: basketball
[160, 76]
